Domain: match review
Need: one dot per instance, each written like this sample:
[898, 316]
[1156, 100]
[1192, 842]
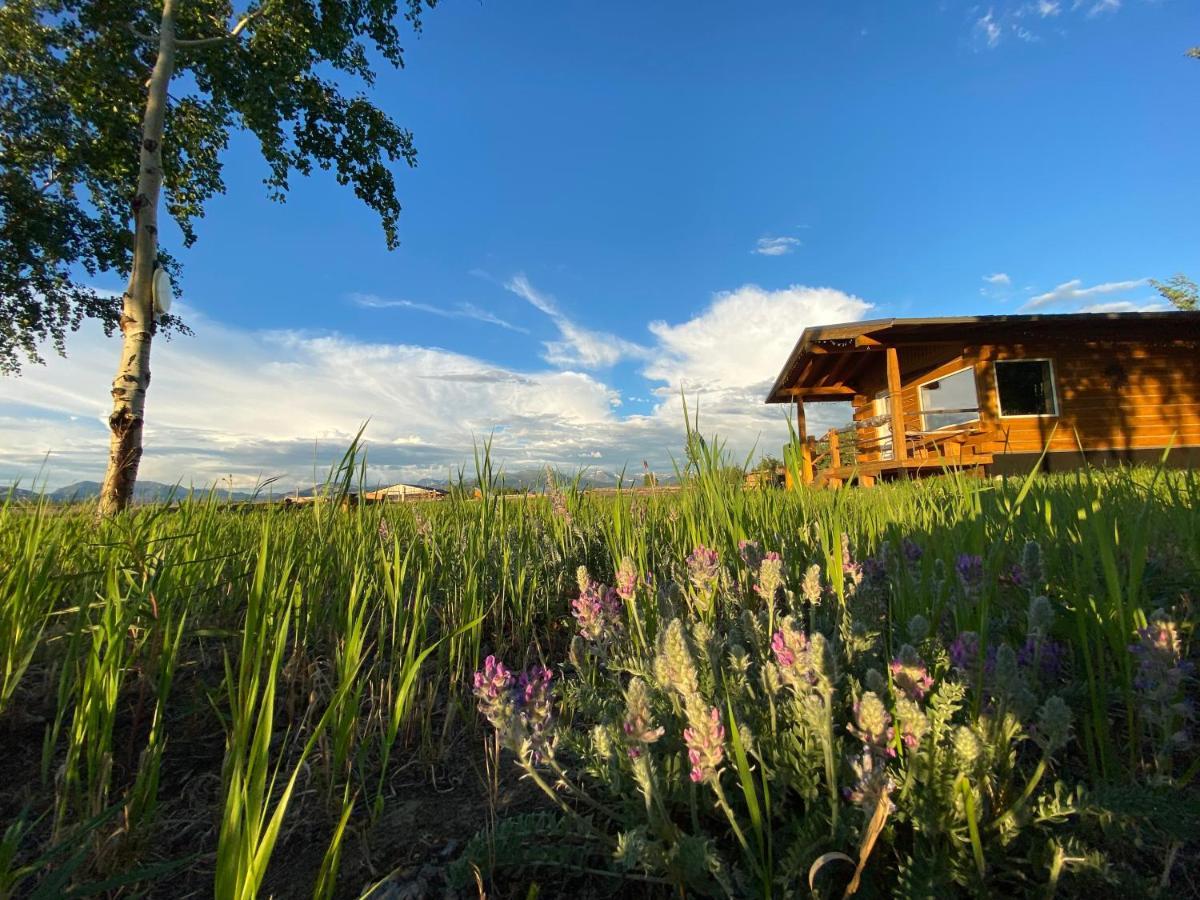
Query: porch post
[806, 466]
[896, 402]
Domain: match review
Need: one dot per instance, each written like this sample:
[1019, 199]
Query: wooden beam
[835, 450]
[801, 425]
[836, 390]
[806, 460]
[896, 399]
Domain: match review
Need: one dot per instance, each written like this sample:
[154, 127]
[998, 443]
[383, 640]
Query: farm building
[403, 493]
[993, 392]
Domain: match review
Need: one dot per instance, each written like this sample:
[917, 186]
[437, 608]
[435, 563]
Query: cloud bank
[241, 405]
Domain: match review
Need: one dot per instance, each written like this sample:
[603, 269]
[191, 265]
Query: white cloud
[458, 311]
[1104, 6]
[579, 346]
[235, 403]
[998, 278]
[776, 246]
[1073, 293]
[1120, 306]
[1048, 8]
[988, 29]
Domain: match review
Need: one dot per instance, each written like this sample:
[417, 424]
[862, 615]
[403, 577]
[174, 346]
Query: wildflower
[792, 654]
[964, 651]
[704, 570]
[705, 739]
[1046, 659]
[911, 550]
[967, 746]
[810, 587]
[1007, 671]
[1040, 617]
[639, 726]
[872, 784]
[493, 689]
[1157, 650]
[1054, 723]
[770, 576]
[871, 720]
[520, 709]
[385, 532]
[910, 675]
[750, 553]
[1015, 576]
[597, 609]
[911, 722]
[969, 568]
[674, 666]
[627, 579]
[918, 628]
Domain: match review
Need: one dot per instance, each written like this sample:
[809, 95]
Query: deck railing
[872, 441]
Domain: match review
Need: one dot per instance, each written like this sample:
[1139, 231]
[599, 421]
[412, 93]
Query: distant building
[403, 493]
[993, 392]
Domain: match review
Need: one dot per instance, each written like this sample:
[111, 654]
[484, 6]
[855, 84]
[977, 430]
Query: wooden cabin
[990, 393]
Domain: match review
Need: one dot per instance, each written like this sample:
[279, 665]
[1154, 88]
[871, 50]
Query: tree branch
[220, 39]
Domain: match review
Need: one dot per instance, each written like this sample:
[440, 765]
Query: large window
[949, 400]
[1026, 387]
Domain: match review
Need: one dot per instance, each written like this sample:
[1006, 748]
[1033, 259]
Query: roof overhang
[808, 375]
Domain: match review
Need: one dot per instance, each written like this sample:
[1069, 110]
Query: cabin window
[948, 401]
[1025, 387]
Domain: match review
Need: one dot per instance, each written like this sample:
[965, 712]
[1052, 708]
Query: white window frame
[921, 406]
[1053, 387]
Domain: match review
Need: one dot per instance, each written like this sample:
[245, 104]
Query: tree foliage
[1179, 290]
[73, 78]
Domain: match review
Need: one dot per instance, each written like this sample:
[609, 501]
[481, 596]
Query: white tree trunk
[137, 318]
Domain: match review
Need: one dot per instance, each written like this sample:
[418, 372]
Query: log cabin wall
[1111, 396]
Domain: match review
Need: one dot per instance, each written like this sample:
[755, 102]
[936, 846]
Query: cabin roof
[873, 334]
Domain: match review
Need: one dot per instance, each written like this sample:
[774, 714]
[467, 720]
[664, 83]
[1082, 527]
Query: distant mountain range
[158, 492]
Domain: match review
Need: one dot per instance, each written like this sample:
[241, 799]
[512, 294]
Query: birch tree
[113, 109]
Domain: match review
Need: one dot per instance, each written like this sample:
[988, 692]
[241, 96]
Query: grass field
[956, 686]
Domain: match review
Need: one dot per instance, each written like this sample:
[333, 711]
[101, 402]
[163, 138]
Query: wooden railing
[821, 456]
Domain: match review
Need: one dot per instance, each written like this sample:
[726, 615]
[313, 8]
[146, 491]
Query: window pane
[1024, 387]
[949, 401]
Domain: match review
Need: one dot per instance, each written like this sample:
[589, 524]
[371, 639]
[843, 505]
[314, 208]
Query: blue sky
[616, 200]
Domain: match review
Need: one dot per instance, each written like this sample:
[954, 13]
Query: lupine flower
[705, 739]
[1015, 576]
[674, 666]
[964, 651]
[910, 675]
[1046, 658]
[704, 569]
[597, 609]
[639, 726]
[1054, 723]
[1040, 618]
[872, 721]
[770, 576]
[911, 722]
[911, 550]
[969, 568]
[872, 784]
[810, 587]
[750, 553]
[793, 655]
[1157, 650]
[520, 709]
[967, 746]
[627, 579]
[918, 628]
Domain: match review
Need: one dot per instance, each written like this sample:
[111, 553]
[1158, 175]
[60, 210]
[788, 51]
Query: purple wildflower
[704, 568]
[912, 551]
[597, 609]
[969, 567]
[964, 651]
[770, 576]
[627, 579]
[910, 675]
[750, 553]
[705, 740]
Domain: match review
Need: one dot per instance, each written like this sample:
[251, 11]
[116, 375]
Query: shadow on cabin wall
[1116, 405]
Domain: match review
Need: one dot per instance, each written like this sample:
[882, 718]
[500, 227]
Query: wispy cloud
[1100, 7]
[987, 29]
[579, 346]
[1048, 8]
[458, 311]
[776, 246]
[998, 278]
[1073, 293]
